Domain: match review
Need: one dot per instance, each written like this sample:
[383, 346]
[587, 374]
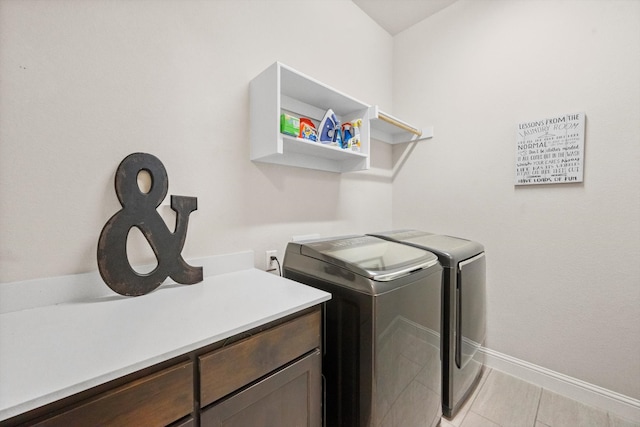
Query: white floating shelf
[280, 89]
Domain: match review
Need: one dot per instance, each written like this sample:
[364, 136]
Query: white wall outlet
[271, 265]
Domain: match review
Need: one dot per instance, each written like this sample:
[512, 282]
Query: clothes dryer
[381, 359]
[463, 310]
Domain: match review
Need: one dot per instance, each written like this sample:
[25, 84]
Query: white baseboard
[581, 391]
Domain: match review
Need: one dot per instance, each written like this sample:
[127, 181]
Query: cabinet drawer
[158, 399]
[290, 397]
[230, 368]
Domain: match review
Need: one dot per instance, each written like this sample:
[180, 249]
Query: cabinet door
[289, 397]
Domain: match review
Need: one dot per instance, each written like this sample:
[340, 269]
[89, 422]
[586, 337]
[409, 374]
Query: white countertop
[51, 352]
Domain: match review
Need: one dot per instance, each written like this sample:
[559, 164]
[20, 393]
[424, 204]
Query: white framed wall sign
[550, 150]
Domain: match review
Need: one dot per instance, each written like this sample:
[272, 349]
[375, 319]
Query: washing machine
[381, 351]
[463, 310]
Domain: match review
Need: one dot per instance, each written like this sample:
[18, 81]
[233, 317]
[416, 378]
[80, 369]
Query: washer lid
[368, 256]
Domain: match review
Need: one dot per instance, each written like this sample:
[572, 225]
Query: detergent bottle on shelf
[354, 142]
[308, 129]
[347, 134]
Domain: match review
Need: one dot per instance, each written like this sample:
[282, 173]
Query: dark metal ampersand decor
[139, 210]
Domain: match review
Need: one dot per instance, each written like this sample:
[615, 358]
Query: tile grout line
[535, 418]
[481, 386]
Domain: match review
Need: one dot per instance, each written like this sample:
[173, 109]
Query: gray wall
[84, 84]
[563, 276]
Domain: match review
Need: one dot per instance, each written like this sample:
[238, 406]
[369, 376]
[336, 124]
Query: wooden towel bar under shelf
[399, 124]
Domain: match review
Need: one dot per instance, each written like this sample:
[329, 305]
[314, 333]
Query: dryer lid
[450, 250]
[378, 259]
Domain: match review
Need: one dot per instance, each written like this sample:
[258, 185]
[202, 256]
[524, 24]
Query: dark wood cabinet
[283, 366]
[289, 397]
[271, 376]
[157, 399]
[257, 356]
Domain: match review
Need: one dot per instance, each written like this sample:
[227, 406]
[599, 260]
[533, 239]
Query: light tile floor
[501, 400]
